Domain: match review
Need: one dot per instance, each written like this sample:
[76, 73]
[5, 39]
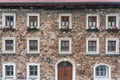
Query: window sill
[9, 54]
[33, 77]
[33, 54]
[94, 55]
[114, 54]
[8, 78]
[65, 53]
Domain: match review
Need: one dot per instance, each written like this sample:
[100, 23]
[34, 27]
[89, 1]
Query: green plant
[9, 28]
[32, 29]
[112, 29]
[65, 29]
[92, 29]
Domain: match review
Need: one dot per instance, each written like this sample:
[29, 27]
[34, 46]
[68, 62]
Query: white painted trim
[98, 20]
[117, 45]
[70, 46]
[3, 44]
[70, 19]
[117, 19]
[14, 70]
[8, 14]
[33, 14]
[73, 68]
[33, 38]
[97, 47]
[102, 78]
[38, 71]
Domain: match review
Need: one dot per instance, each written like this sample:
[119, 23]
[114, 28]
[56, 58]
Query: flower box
[92, 29]
[65, 29]
[112, 29]
[8, 28]
[32, 29]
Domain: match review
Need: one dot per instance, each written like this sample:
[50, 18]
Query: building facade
[60, 40]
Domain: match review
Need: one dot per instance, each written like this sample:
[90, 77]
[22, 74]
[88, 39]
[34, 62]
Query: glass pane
[9, 21]
[64, 45]
[111, 45]
[33, 21]
[65, 21]
[112, 21]
[9, 45]
[33, 70]
[91, 45]
[101, 71]
[33, 45]
[9, 70]
[92, 21]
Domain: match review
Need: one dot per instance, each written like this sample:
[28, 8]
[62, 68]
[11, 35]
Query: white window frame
[97, 16]
[97, 47]
[8, 14]
[14, 70]
[70, 19]
[117, 45]
[101, 77]
[33, 38]
[3, 44]
[33, 14]
[38, 71]
[117, 20]
[70, 46]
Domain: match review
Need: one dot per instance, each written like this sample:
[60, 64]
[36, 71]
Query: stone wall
[49, 35]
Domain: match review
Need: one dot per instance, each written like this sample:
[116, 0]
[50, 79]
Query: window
[92, 21]
[92, 46]
[102, 72]
[33, 45]
[112, 21]
[33, 20]
[33, 71]
[9, 20]
[9, 70]
[8, 45]
[112, 46]
[65, 46]
[65, 21]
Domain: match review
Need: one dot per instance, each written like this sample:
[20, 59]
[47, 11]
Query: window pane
[111, 21]
[64, 45]
[9, 21]
[102, 71]
[9, 70]
[111, 45]
[33, 45]
[65, 21]
[92, 46]
[33, 70]
[9, 45]
[33, 21]
[92, 21]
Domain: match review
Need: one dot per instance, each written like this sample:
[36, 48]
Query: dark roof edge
[59, 2]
